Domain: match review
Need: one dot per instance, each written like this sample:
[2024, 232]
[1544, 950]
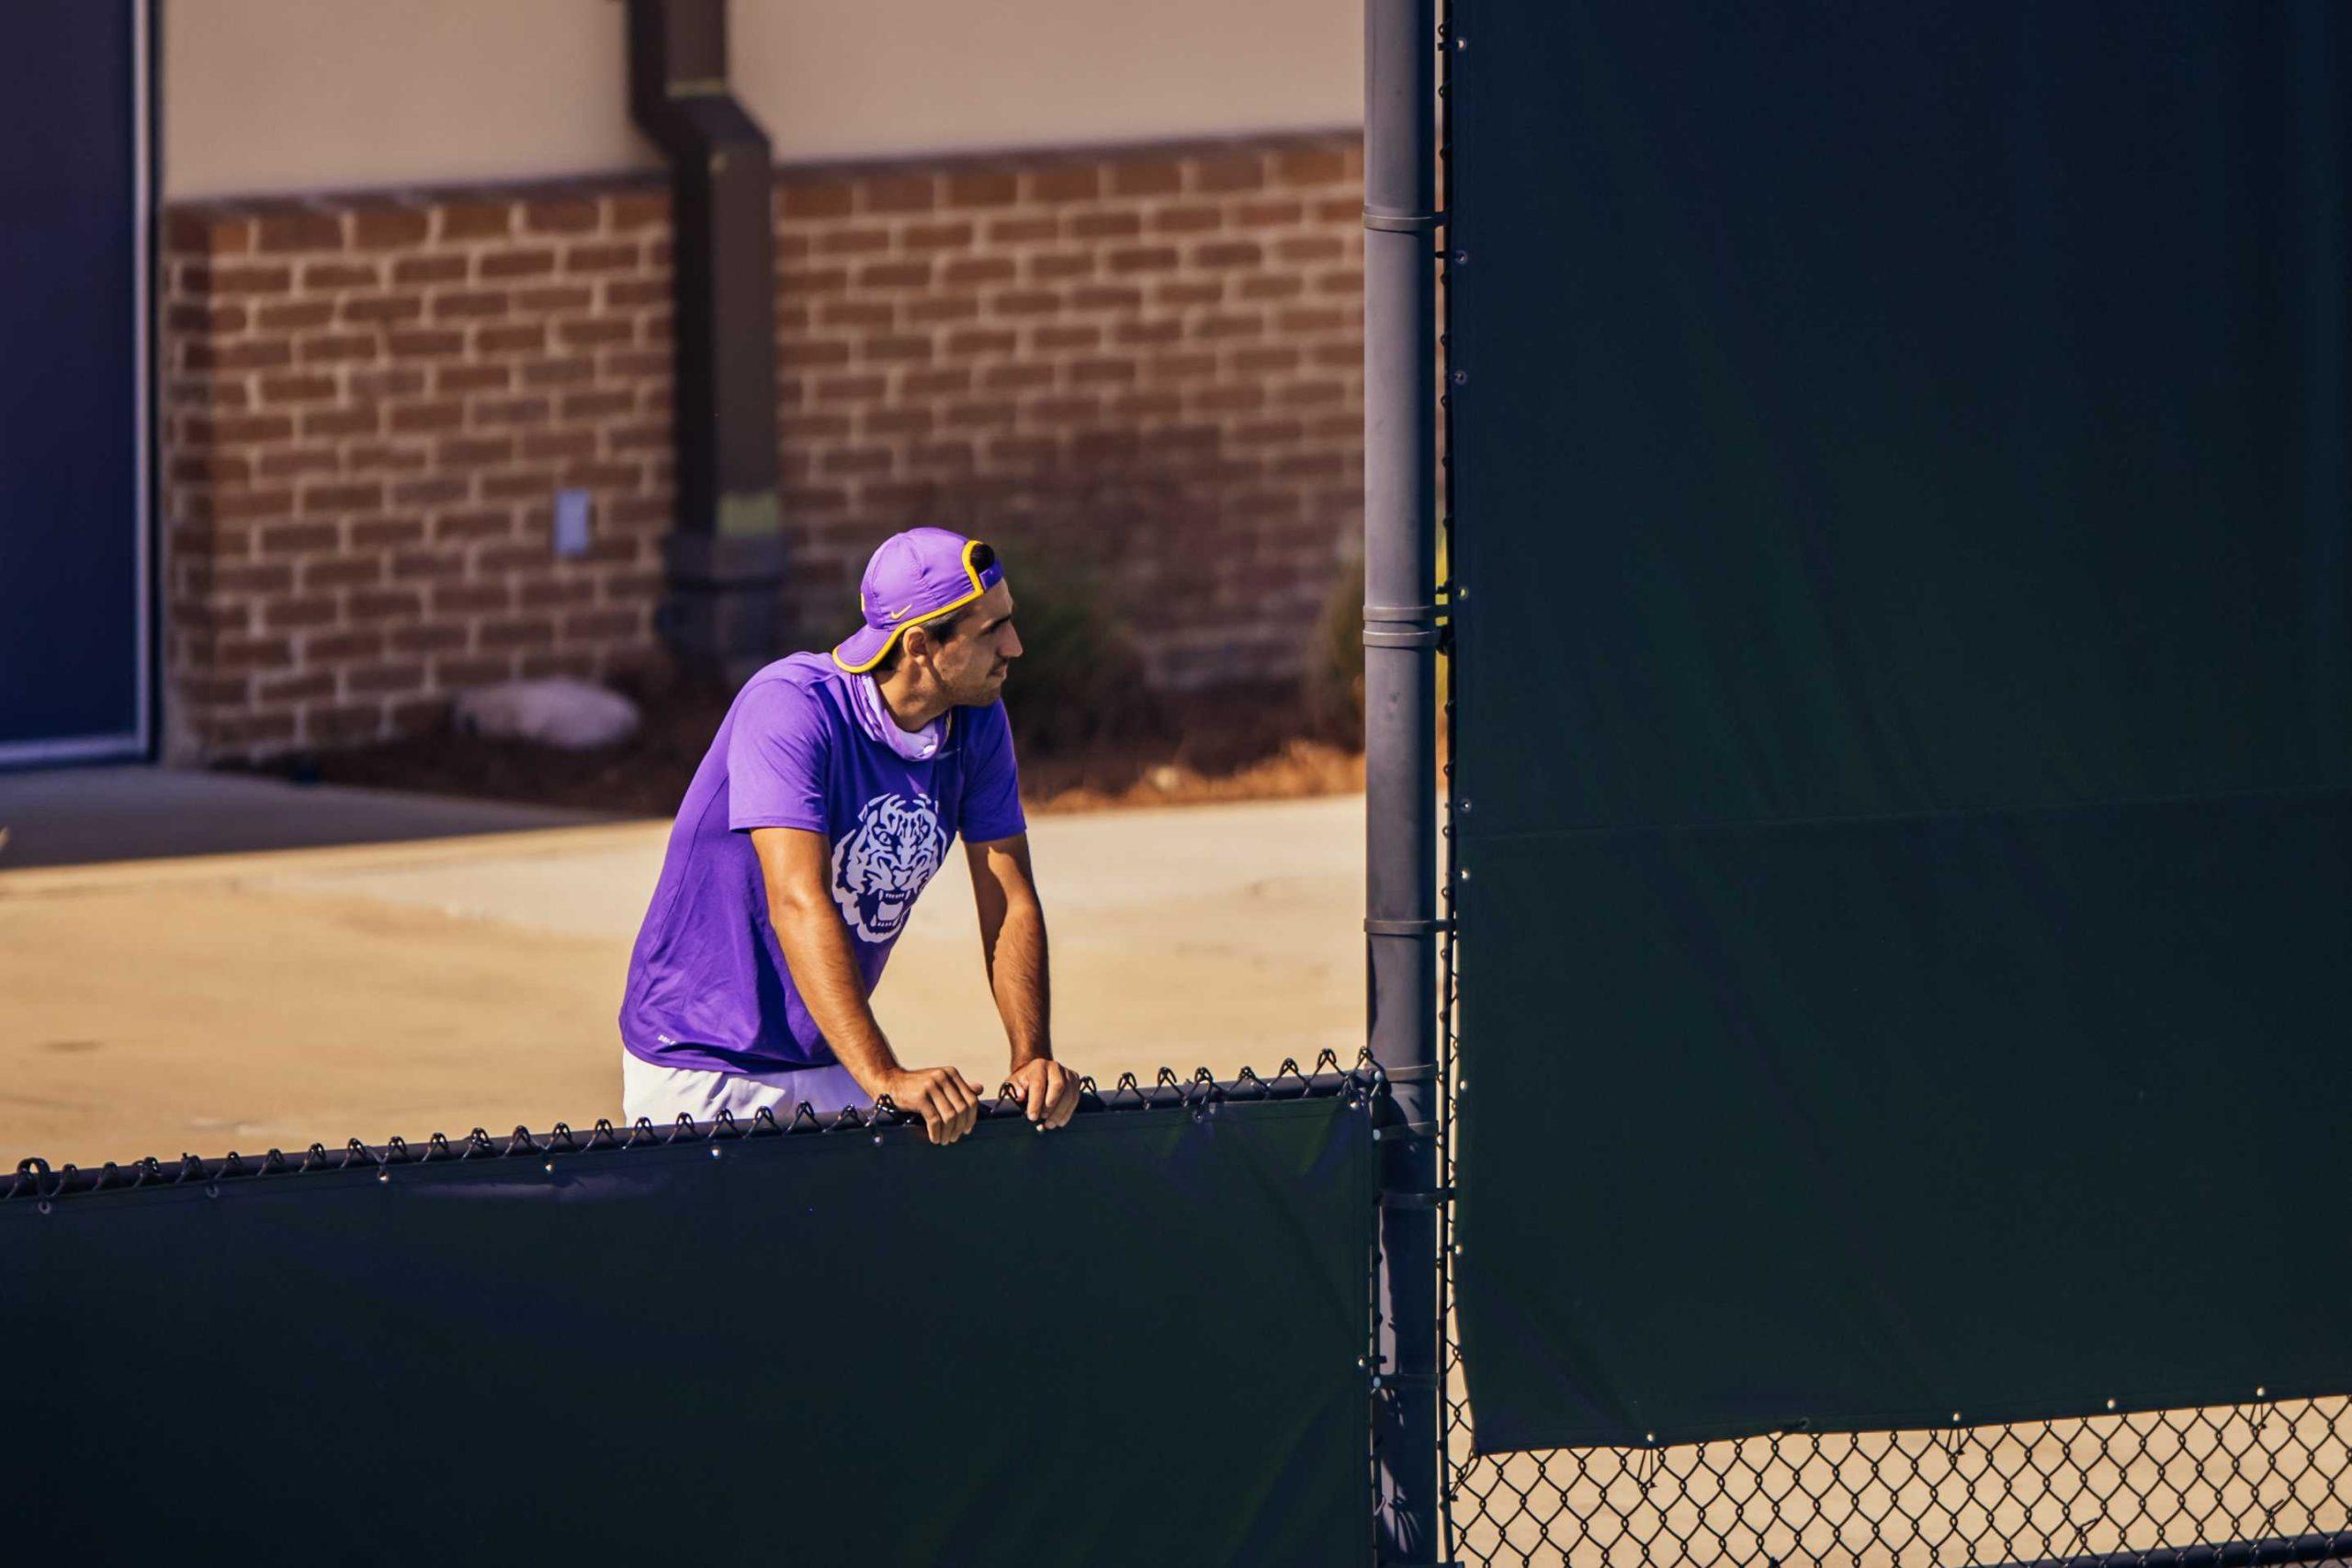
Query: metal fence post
[1400, 638]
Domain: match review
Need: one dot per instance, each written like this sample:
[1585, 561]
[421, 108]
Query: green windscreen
[1904, 763]
[1137, 1339]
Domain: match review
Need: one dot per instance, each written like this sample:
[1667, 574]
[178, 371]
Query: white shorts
[662, 1094]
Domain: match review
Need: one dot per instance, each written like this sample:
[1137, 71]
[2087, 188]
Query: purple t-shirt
[801, 747]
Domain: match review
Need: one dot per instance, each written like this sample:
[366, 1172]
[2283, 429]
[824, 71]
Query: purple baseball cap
[914, 576]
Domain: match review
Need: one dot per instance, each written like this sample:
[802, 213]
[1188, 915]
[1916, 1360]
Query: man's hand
[947, 1101]
[1049, 1091]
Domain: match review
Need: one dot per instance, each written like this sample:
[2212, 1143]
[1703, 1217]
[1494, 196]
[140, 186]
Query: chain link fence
[2265, 1482]
[2135, 1488]
[34, 1181]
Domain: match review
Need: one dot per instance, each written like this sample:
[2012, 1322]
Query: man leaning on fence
[829, 797]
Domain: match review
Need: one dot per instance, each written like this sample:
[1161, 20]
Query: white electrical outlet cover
[572, 510]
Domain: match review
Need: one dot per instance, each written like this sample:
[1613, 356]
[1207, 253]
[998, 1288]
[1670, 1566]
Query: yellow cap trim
[971, 574]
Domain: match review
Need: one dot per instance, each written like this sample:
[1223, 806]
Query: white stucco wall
[291, 95]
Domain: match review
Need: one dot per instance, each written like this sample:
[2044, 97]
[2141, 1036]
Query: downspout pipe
[1401, 637]
[725, 554]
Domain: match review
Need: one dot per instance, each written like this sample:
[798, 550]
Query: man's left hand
[1049, 1091]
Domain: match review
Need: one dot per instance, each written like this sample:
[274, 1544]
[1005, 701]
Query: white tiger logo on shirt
[883, 863]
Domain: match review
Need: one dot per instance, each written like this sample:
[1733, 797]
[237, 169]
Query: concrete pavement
[243, 1002]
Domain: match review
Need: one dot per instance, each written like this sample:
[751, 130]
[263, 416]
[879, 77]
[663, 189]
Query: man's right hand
[797, 867]
[948, 1103]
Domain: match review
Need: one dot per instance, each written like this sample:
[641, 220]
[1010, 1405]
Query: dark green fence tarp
[1135, 1340]
[1904, 745]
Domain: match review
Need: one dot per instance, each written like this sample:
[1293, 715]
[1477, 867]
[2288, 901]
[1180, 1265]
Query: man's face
[972, 664]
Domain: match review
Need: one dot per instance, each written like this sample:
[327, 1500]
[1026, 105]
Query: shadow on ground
[1249, 742]
[83, 816]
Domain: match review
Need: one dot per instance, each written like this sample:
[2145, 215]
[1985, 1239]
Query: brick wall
[1146, 362]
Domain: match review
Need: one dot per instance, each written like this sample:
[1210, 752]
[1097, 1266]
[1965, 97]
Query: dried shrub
[1080, 679]
[1335, 658]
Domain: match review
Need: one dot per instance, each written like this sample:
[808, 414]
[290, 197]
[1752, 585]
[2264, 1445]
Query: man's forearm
[816, 950]
[1017, 974]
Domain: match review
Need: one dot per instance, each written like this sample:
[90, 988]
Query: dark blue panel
[1137, 1341]
[70, 427]
[1902, 472]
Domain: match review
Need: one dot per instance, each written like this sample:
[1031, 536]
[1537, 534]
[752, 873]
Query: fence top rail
[34, 1181]
[2270, 1552]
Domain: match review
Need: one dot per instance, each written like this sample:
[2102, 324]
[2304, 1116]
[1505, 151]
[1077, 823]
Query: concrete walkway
[242, 1001]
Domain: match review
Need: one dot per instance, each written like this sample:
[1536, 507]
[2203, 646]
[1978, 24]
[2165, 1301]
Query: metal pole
[1400, 746]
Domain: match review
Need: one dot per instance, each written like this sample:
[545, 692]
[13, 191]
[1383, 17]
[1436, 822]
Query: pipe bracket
[1406, 1380]
[1394, 223]
[1429, 624]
